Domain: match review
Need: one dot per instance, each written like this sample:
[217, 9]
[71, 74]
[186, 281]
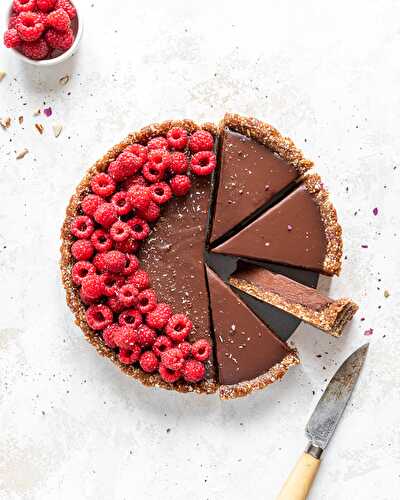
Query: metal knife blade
[327, 413]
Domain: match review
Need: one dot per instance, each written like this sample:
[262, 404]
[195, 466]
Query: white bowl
[64, 56]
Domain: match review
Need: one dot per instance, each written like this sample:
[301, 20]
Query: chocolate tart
[305, 303]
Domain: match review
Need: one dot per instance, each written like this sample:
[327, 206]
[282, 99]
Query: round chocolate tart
[155, 232]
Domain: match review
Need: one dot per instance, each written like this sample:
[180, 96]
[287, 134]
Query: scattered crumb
[57, 128]
[21, 120]
[39, 127]
[36, 112]
[386, 294]
[5, 122]
[2, 75]
[21, 154]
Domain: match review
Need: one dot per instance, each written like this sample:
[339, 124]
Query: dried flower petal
[369, 332]
[375, 211]
[48, 111]
[64, 80]
[5, 122]
[57, 128]
[39, 127]
[289, 227]
[21, 154]
[364, 246]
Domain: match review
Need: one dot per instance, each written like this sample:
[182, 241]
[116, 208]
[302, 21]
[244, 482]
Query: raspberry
[201, 141]
[101, 240]
[125, 337]
[177, 138]
[103, 185]
[130, 317]
[67, 6]
[82, 227]
[45, 5]
[109, 334]
[203, 163]
[11, 38]
[201, 350]
[139, 196]
[114, 261]
[131, 265]
[179, 163]
[129, 356]
[105, 215]
[158, 143]
[112, 282]
[180, 185]
[161, 344]
[169, 375]
[121, 203]
[117, 171]
[93, 286]
[193, 371]
[29, 26]
[160, 192]
[152, 212]
[146, 301]
[129, 163]
[140, 279]
[99, 263]
[186, 349]
[82, 249]
[148, 362]
[134, 180]
[128, 246]
[82, 269]
[172, 359]
[86, 300]
[139, 228]
[99, 316]
[178, 327]
[23, 5]
[159, 317]
[61, 40]
[153, 173]
[139, 152]
[127, 295]
[159, 158]
[91, 203]
[120, 231]
[12, 21]
[35, 50]
[146, 336]
[59, 20]
[115, 304]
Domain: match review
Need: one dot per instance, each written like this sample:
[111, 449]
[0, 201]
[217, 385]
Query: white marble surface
[327, 74]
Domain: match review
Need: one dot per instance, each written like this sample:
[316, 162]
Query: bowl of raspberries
[43, 32]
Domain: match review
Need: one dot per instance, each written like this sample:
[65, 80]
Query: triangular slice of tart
[303, 302]
[256, 164]
[301, 230]
[249, 355]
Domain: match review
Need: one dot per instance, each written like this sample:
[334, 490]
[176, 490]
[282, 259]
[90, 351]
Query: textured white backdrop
[325, 73]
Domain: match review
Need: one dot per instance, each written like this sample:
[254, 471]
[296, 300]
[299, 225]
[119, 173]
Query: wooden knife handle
[299, 483]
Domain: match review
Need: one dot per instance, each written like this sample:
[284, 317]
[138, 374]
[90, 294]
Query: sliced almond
[2, 75]
[64, 80]
[57, 128]
[21, 154]
[39, 127]
[5, 122]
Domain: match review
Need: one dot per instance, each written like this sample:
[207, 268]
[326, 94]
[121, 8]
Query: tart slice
[256, 164]
[249, 355]
[305, 303]
[301, 231]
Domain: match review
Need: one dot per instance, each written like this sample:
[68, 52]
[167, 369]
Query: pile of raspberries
[40, 29]
[116, 217]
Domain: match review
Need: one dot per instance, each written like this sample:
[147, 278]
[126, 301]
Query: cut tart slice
[303, 302]
[256, 164]
[301, 231]
[249, 355]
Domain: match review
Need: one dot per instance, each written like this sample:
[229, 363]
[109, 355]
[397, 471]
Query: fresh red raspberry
[23, 5]
[91, 203]
[201, 141]
[120, 231]
[29, 26]
[67, 6]
[146, 336]
[121, 203]
[139, 228]
[82, 269]
[115, 304]
[12, 21]
[203, 163]
[129, 163]
[152, 212]
[179, 163]
[159, 316]
[117, 171]
[86, 300]
[102, 184]
[178, 327]
[172, 358]
[158, 143]
[136, 179]
[139, 197]
[99, 316]
[82, 227]
[140, 279]
[59, 20]
[153, 173]
[109, 334]
[160, 192]
[45, 5]
[12, 38]
[146, 301]
[169, 375]
[101, 240]
[112, 283]
[161, 344]
[128, 246]
[82, 249]
[61, 40]
[93, 286]
[35, 50]
[159, 158]
[201, 350]
[105, 215]
[177, 138]
[125, 337]
[139, 152]
[193, 371]
[99, 263]
[180, 185]
[186, 349]
[131, 264]
[127, 294]
[129, 356]
[148, 362]
[130, 317]
[114, 261]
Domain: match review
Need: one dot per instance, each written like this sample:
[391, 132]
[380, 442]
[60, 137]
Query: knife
[322, 425]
